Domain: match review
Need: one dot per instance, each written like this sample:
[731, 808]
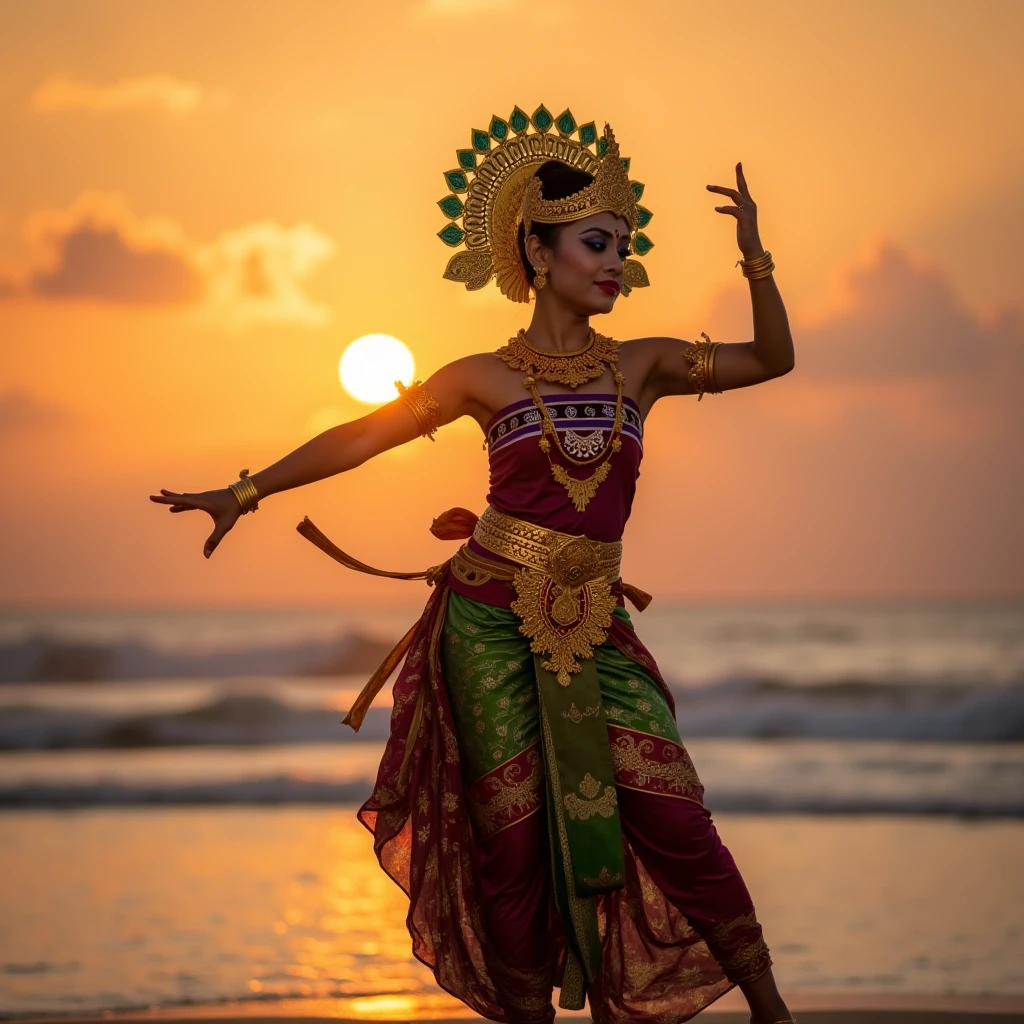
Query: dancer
[535, 799]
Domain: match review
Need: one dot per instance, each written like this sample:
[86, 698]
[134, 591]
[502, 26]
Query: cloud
[99, 249]
[890, 317]
[254, 272]
[160, 92]
[100, 264]
[895, 345]
[21, 412]
[887, 462]
[898, 318]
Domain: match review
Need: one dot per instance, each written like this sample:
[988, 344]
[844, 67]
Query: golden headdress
[496, 178]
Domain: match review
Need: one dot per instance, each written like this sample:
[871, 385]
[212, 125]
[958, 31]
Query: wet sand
[730, 1009]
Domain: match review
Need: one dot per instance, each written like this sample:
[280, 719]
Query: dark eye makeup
[598, 245]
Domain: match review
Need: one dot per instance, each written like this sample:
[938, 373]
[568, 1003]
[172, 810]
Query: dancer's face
[585, 265]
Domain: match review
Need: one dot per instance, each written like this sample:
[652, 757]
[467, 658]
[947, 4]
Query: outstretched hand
[745, 212]
[221, 505]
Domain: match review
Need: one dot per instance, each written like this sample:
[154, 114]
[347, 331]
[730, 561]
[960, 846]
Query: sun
[370, 366]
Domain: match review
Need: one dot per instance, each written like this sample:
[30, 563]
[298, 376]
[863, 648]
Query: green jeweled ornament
[519, 121]
[451, 207]
[642, 245]
[542, 119]
[451, 235]
[565, 123]
[456, 181]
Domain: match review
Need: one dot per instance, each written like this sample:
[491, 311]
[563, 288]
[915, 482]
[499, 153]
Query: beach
[177, 907]
[918, 1010]
[178, 835]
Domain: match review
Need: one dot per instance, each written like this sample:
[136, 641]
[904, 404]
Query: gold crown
[490, 197]
[610, 191]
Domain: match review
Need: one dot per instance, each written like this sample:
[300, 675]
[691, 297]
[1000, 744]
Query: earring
[540, 277]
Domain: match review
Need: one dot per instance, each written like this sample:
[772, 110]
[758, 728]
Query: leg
[514, 879]
[514, 884]
[489, 675]
[672, 834]
[679, 846]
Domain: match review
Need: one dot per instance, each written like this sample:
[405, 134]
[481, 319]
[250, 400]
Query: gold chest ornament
[572, 369]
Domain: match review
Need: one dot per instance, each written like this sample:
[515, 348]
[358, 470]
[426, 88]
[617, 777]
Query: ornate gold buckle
[566, 609]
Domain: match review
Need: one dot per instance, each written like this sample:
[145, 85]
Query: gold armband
[423, 405]
[702, 373]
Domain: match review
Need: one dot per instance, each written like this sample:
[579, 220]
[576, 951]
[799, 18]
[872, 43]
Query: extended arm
[335, 450]
[739, 364]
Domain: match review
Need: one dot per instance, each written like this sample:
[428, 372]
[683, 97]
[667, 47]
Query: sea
[178, 797]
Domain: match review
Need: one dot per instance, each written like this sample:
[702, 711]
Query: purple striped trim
[569, 396]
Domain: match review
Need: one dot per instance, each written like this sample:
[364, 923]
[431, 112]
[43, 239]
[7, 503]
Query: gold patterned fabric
[653, 961]
[461, 773]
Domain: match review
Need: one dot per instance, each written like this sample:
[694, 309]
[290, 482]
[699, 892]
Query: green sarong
[504, 701]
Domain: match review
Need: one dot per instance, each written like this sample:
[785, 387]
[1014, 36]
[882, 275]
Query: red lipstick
[609, 287]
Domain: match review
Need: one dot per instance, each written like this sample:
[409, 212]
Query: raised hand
[221, 505]
[745, 212]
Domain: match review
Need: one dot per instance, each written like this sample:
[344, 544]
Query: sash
[587, 855]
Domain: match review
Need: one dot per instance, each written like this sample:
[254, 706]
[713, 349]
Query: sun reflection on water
[279, 907]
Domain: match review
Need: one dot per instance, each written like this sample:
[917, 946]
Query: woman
[535, 799]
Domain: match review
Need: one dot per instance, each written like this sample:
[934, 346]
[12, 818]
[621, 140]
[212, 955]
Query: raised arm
[339, 449]
[736, 364]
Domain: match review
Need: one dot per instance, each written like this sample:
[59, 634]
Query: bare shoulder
[467, 375]
[474, 383]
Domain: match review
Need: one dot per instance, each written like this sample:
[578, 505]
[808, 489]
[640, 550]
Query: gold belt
[563, 588]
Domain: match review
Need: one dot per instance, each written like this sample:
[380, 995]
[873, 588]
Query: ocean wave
[231, 720]
[853, 709]
[739, 708]
[276, 789]
[288, 790]
[55, 659]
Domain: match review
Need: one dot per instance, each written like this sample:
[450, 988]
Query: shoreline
[809, 1008]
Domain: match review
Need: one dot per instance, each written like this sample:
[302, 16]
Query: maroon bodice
[521, 483]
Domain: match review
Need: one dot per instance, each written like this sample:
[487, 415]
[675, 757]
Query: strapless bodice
[521, 484]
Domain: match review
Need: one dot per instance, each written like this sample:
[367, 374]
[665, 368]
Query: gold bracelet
[245, 491]
[760, 266]
[755, 275]
[712, 383]
[423, 405]
[755, 262]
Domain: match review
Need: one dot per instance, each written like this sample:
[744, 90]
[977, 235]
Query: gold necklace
[572, 368]
[580, 490]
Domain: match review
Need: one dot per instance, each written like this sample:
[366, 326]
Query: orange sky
[202, 204]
